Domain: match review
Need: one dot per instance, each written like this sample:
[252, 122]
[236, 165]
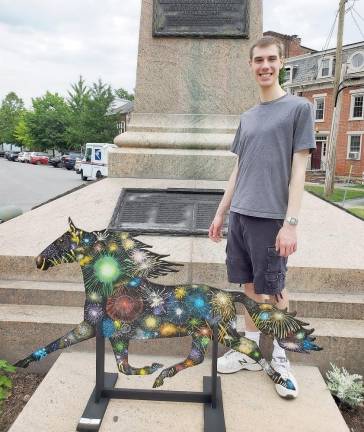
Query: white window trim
[331, 62]
[290, 67]
[352, 99]
[319, 95]
[350, 134]
[315, 107]
[358, 90]
[351, 68]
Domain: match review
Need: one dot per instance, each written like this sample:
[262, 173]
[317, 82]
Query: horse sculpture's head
[106, 256]
[73, 245]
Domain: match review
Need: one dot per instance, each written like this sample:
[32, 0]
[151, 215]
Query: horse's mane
[141, 260]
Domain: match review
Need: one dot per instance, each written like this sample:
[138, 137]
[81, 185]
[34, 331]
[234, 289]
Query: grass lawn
[337, 195]
[357, 211]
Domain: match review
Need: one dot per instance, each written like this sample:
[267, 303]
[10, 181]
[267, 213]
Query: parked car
[69, 160]
[55, 161]
[12, 155]
[2, 153]
[38, 158]
[22, 156]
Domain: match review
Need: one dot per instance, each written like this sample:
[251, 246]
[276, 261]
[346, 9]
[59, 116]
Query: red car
[37, 158]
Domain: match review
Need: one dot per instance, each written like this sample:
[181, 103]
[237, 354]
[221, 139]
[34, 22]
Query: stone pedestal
[189, 94]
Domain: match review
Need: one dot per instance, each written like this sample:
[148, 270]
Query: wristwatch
[291, 220]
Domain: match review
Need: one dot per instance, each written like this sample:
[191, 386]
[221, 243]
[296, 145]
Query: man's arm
[216, 225]
[286, 241]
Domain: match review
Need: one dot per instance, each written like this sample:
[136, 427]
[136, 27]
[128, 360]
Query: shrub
[6, 383]
[347, 388]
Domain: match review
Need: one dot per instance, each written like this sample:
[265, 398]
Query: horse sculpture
[123, 304]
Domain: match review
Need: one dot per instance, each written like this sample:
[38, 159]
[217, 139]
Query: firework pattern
[123, 304]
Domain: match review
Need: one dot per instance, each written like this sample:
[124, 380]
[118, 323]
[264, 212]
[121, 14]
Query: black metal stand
[104, 390]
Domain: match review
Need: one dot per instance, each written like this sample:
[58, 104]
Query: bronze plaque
[201, 18]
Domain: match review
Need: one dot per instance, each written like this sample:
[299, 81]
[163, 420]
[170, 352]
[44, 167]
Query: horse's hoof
[158, 382]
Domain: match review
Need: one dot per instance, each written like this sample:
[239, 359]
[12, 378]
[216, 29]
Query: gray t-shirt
[265, 141]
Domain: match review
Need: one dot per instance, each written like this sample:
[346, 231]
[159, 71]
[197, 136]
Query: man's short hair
[267, 41]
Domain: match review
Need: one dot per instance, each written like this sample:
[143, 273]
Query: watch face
[293, 221]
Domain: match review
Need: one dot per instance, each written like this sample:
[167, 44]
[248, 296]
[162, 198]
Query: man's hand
[286, 241]
[215, 228]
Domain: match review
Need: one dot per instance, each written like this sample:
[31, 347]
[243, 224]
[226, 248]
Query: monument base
[171, 163]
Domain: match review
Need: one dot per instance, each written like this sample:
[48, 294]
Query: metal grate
[166, 211]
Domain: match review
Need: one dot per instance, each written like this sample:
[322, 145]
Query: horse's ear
[71, 224]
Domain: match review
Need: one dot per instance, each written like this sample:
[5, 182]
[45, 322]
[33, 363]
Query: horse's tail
[288, 330]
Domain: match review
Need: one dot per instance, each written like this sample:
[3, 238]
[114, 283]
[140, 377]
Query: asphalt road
[25, 185]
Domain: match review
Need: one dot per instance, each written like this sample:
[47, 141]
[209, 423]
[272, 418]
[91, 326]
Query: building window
[354, 147]
[356, 62]
[325, 67]
[356, 109]
[287, 75]
[121, 126]
[319, 108]
[323, 140]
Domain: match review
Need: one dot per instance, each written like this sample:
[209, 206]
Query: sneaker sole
[255, 367]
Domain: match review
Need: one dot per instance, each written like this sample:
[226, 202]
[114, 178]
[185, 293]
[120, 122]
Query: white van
[94, 165]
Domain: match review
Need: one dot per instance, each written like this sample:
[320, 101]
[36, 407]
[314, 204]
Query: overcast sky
[46, 45]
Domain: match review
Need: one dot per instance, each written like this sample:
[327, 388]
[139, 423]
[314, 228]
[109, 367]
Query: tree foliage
[124, 94]
[48, 121]
[54, 122]
[11, 110]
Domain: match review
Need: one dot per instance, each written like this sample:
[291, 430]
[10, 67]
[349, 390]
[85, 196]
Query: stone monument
[193, 81]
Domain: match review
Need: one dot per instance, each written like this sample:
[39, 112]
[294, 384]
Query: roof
[121, 106]
[306, 66]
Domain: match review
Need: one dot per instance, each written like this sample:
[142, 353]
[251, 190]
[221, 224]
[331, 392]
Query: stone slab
[166, 163]
[60, 399]
[194, 76]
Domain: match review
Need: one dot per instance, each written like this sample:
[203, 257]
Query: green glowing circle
[107, 269]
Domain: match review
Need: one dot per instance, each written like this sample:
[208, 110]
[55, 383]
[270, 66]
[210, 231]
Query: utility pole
[339, 75]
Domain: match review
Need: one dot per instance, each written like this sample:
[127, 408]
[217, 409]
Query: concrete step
[327, 305]
[71, 380]
[320, 305]
[28, 292]
[212, 270]
[24, 328]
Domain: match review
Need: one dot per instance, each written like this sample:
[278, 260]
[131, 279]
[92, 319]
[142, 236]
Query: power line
[330, 33]
[356, 23]
[358, 14]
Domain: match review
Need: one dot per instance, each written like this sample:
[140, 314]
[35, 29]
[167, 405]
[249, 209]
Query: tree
[10, 111]
[78, 101]
[22, 132]
[100, 125]
[48, 122]
[124, 94]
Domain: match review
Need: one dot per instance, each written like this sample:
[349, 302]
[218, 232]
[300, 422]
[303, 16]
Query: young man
[264, 196]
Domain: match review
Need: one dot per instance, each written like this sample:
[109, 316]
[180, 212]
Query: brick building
[312, 75]
[291, 43]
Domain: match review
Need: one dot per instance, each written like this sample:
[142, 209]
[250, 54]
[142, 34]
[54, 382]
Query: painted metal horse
[124, 304]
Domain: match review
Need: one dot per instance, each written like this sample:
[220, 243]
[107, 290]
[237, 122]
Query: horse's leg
[120, 348]
[195, 357]
[81, 332]
[251, 349]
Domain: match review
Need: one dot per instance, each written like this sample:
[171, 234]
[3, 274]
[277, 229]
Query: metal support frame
[104, 390]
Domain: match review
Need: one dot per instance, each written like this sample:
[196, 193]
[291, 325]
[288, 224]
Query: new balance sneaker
[282, 366]
[234, 361]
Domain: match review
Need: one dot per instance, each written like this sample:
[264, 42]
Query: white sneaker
[234, 361]
[283, 367]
